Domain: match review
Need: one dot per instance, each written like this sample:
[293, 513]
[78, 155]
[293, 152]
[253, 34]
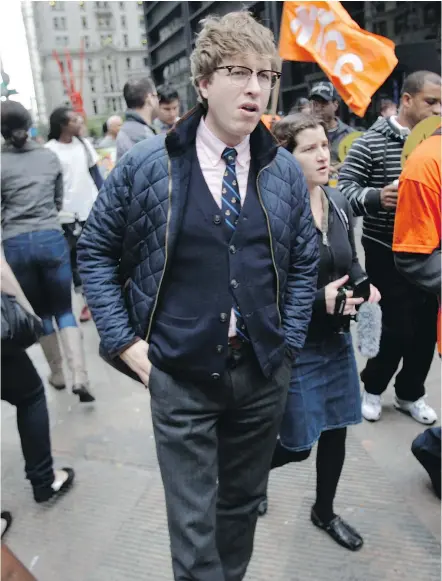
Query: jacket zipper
[326, 243]
[271, 241]
[169, 212]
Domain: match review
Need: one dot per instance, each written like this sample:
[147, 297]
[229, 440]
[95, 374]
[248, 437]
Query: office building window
[121, 5]
[146, 61]
[126, 40]
[123, 22]
[56, 23]
[114, 105]
[82, 6]
[94, 105]
[89, 65]
[92, 84]
[128, 62]
[141, 21]
[63, 23]
[143, 39]
[84, 21]
[59, 6]
[106, 39]
[86, 42]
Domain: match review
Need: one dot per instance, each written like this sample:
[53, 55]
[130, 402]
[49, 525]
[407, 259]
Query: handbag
[20, 328]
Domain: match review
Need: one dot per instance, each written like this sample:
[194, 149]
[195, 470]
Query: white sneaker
[418, 410]
[371, 406]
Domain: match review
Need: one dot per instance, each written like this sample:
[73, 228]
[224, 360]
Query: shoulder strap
[339, 205]
[88, 153]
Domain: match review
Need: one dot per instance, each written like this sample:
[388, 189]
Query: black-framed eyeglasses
[240, 76]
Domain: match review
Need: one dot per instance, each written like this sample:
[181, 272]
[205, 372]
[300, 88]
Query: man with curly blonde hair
[199, 262]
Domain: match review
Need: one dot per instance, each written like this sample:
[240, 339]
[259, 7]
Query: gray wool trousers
[214, 444]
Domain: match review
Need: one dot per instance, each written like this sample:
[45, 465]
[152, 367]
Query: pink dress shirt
[209, 150]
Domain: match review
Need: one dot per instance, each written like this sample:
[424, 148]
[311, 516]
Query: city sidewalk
[112, 525]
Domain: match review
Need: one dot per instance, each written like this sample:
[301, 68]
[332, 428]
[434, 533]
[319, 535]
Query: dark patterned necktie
[231, 208]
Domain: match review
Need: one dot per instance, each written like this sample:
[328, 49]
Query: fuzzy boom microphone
[369, 329]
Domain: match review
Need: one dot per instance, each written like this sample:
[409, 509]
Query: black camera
[361, 289]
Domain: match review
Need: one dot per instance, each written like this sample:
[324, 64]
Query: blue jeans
[41, 263]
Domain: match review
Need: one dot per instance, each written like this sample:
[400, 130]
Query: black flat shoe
[45, 494]
[83, 393]
[263, 507]
[340, 531]
[7, 518]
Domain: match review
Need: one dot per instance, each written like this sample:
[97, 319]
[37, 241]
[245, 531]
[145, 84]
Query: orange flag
[357, 62]
[270, 120]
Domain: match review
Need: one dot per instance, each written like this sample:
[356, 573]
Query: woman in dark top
[324, 394]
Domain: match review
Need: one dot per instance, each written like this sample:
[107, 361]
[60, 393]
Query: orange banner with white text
[357, 62]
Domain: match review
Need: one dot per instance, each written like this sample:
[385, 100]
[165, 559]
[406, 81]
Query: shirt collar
[404, 131]
[214, 147]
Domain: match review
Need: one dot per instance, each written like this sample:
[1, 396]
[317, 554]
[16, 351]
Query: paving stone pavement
[112, 525]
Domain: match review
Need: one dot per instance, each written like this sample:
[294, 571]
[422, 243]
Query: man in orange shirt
[417, 248]
[417, 227]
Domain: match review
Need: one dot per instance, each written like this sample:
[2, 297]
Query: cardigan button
[217, 219]
[223, 317]
[219, 348]
[215, 376]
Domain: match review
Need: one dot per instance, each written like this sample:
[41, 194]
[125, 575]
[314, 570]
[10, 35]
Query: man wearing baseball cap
[325, 104]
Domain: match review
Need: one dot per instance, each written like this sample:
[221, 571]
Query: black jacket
[337, 259]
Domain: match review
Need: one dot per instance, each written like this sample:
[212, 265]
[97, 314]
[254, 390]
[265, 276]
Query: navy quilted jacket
[130, 235]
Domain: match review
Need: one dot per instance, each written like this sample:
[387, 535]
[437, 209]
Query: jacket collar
[132, 115]
[263, 146]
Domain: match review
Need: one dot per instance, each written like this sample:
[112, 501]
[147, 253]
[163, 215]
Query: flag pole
[274, 100]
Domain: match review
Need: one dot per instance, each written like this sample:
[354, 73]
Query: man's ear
[203, 88]
[406, 99]
[336, 105]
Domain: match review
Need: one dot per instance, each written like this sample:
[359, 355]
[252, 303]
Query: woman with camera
[324, 393]
[34, 245]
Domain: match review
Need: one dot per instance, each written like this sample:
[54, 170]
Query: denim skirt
[324, 392]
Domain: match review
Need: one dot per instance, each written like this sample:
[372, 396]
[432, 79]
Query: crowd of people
[233, 304]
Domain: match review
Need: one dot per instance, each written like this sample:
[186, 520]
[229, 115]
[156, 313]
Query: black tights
[329, 463]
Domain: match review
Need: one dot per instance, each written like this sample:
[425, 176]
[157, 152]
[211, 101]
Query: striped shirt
[374, 161]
